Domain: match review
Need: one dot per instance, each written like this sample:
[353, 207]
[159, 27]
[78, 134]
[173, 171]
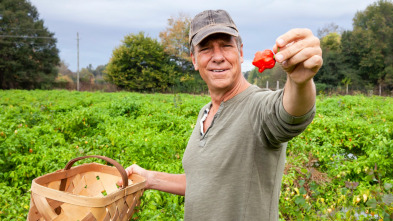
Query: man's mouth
[220, 70]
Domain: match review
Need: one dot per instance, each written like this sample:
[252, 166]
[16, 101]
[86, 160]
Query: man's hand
[300, 55]
[137, 170]
[170, 183]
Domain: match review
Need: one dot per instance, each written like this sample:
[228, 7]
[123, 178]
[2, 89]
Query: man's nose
[218, 55]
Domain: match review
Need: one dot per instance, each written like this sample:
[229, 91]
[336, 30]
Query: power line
[25, 43]
[33, 29]
[14, 36]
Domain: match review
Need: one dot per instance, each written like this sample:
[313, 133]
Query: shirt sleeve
[290, 119]
[272, 122]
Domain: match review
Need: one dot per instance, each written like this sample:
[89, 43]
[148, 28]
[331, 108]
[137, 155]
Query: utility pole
[77, 71]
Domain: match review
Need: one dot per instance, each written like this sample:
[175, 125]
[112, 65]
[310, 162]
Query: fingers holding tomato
[299, 53]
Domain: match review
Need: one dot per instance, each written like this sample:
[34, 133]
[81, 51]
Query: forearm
[299, 98]
[171, 183]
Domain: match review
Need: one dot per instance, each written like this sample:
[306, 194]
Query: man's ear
[194, 62]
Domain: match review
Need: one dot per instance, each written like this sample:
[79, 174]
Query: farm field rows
[340, 168]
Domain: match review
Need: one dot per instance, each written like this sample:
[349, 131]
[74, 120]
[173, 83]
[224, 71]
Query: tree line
[360, 59]
[363, 57]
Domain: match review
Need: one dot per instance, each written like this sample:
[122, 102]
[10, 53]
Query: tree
[269, 75]
[360, 51]
[86, 75]
[90, 68]
[362, 57]
[140, 64]
[99, 74]
[331, 41]
[99, 71]
[373, 29]
[331, 72]
[175, 42]
[329, 28]
[63, 69]
[28, 53]
[175, 38]
[65, 77]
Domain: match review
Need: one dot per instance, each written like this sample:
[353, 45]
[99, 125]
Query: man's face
[218, 60]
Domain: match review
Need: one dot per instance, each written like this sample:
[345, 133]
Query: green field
[340, 168]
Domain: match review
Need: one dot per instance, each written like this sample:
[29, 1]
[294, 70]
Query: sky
[103, 24]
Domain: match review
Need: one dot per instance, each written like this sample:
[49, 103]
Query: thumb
[129, 172]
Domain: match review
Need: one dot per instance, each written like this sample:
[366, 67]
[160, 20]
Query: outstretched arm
[171, 183]
[300, 56]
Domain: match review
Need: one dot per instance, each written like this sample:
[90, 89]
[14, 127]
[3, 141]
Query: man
[235, 157]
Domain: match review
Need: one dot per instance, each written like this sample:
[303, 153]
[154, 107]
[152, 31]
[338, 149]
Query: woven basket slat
[130, 209]
[107, 182]
[62, 217]
[137, 196]
[107, 217]
[132, 204]
[43, 207]
[74, 211]
[89, 217]
[111, 210]
[122, 208]
[54, 203]
[94, 190]
[70, 183]
[33, 213]
[85, 197]
[126, 212]
[79, 183]
[98, 212]
[69, 186]
[130, 213]
[115, 215]
[54, 185]
[135, 188]
[123, 215]
[120, 204]
[129, 199]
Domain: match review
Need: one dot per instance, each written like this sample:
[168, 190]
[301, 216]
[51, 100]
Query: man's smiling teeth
[218, 70]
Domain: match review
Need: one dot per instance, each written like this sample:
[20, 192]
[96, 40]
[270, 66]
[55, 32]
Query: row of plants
[338, 169]
[40, 131]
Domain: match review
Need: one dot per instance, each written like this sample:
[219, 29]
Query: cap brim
[213, 30]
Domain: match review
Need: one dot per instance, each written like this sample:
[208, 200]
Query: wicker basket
[85, 192]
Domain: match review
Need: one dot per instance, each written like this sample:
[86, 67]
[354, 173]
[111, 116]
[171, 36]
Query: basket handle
[123, 173]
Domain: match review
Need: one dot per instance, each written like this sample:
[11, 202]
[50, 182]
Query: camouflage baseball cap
[211, 22]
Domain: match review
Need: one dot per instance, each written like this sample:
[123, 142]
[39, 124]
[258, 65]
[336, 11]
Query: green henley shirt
[234, 170]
